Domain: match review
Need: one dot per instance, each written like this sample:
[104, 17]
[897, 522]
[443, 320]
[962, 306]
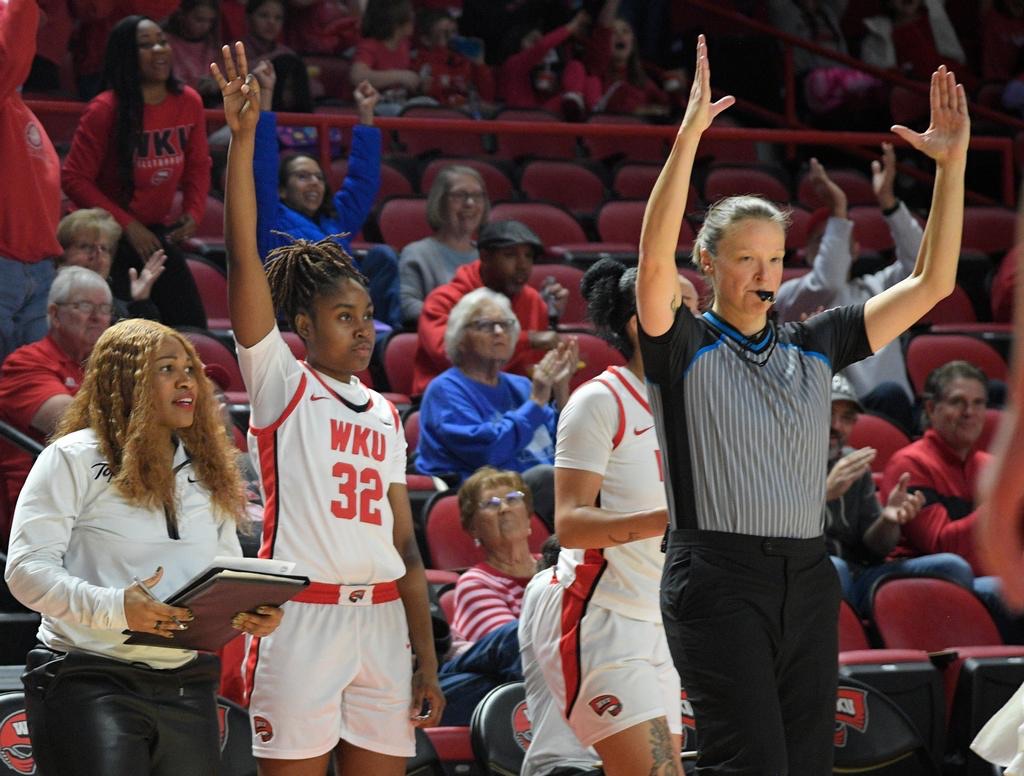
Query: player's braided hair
[302, 270]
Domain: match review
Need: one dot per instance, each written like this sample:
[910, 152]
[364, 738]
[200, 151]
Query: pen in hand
[149, 594]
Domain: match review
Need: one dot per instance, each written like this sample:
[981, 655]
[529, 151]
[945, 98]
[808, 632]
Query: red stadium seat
[955, 308]
[451, 547]
[927, 352]
[855, 184]
[497, 181]
[422, 141]
[596, 355]
[212, 351]
[399, 352]
[619, 221]
[632, 147]
[879, 433]
[213, 292]
[393, 182]
[519, 145]
[403, 220]
[718, 150]
[554, 225]
[989, 229]
[634, 180]
[411, 426]
[870, 228]
[731, 180]
[569, 184]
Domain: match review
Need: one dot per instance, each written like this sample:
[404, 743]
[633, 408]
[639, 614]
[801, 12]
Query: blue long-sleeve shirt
[352, 202]
[465, 424]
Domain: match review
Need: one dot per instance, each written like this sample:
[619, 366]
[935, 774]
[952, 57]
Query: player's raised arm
[657, 288]
[249, 301]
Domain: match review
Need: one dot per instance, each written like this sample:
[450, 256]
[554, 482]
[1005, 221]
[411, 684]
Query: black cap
[499, 234]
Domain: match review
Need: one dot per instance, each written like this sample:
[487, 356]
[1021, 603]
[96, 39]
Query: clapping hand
[883, 177]
[901, 506]
[142, 282]
[847, 470]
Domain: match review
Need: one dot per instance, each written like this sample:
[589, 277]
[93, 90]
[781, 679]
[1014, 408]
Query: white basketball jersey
[326, 463]
[607, 428]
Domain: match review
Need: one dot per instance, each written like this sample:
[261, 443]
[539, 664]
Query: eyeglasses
[91, 247]
[88, 307]
[493, 504]
[466, 196]
[959, 403]
[306, 177]
[488, 324]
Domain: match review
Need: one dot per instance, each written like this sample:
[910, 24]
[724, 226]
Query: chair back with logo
[15, 745]
[500, 730]
[235, 739]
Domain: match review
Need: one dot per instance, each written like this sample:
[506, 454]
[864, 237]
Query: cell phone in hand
[471, 48]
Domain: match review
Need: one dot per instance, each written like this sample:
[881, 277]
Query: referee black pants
[752, 626]
[92, 716]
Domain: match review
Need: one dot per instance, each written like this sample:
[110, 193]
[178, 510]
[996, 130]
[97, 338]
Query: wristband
[890, 210]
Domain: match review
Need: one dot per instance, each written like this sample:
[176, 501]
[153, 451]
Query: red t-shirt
[173, 154]
[377, 56]
[29, 376]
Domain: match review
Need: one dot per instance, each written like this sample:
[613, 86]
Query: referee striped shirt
[743, 423]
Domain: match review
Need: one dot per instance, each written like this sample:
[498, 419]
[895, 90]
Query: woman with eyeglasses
[138, 145]
[474, 413]
[457, 205]
[89, 237]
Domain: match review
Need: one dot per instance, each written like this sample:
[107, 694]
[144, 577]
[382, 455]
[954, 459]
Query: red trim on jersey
[327, 593]
[643, 402]
[266, 446]
[334, 393]
[574, 606]
[252, 658]
[622, 412]
[257, 432]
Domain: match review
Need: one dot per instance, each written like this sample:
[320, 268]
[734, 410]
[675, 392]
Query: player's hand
[261, 622]
[427, 699]
[901, 507]
[848, 469]
[239, 89]
[145, 615]
[949, 131]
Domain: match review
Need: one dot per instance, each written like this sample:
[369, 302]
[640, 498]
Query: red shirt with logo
[29, 376]
[30, 193]
[173, 154]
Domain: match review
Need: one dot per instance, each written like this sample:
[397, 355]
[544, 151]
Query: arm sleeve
[932, 530]
[17, 45]
[88, 151]
[358, 191]
[837, 334]
[667, 355]
[587, 427]
[475, 439]
[195, 179]
[264, 170]
[829, 272]
[478, 608]
[52, 498]
[398, 457]
[270, 372]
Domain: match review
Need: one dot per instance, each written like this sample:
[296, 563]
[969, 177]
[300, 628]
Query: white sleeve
[397, 460]
[271, 374]
[587, 427]
[53, 496]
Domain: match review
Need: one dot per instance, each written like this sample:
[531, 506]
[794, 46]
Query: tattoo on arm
[663, 760]
[632, 536]
[674, 304]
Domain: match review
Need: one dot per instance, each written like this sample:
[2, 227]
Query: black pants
[752, 626]
[174, 293]
[91, 716]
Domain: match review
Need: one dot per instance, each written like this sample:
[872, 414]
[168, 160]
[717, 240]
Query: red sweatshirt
[30, 193]
[431, 359]
[515, 79]
[173, 155]
[946, 522]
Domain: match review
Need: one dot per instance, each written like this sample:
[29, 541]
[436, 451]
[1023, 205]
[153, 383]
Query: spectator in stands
[264, 22]
[30, 193]
[507, 252]
[446, 75]
[192, 33]
[860, 532]
[384, 54]
[475, 413]
[89, 237]
[828, 88]
[539, 72]
[457, 205]
[1002, 35]
[138, 144]
[495, 509]
[324, 27]
[626, 86]
[914, 37]
[37, 381]
[491, 22]
[53, 41]
[880, 381]
[294, 200]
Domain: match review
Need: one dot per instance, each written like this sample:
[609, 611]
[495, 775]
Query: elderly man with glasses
[38, 381]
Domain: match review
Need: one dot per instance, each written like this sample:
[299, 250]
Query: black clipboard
[215, 596]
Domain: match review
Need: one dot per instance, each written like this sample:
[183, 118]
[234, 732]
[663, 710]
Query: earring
[477, 542]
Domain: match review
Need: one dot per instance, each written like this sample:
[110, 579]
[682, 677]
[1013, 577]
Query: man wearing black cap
[860, 532]
[507, 252]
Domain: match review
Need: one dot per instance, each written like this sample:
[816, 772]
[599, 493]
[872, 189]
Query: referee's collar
[757, 343]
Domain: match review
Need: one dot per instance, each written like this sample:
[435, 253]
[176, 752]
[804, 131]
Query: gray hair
[464, 311]
[437, 198]
[72, 279]
[726, 212]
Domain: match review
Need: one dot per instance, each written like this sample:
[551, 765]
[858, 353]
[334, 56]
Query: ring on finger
[157, 624]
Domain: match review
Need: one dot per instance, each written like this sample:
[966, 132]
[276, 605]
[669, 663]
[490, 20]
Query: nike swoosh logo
[190, 480]
[318, 398]
[639, 431]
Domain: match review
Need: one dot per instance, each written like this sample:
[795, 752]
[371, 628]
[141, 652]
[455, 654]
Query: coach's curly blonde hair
[116, 401]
